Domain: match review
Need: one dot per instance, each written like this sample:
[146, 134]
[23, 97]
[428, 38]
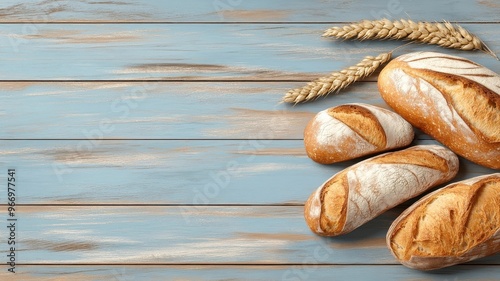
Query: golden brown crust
[454, 224]
[409, 92]
[329, 218]
[352, 130]
[317, 151]
[478, 106]
[311, 221]
[362, 121]
[421, 157]
[363, 191]
[334, 197]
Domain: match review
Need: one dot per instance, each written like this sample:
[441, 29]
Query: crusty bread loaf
[365, 190]
[454, 100]
[454, 224]
[352, 130]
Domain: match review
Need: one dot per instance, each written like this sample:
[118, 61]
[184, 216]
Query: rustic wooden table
[149, 143]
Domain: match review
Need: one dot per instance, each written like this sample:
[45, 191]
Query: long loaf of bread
[454, 100]
[454, 224]
[352, 130]
[365, 190]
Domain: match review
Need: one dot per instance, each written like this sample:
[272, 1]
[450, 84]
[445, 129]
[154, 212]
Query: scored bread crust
[455, 224]
[361, 120]
[363, 191]
[454, 100]
[352, 130]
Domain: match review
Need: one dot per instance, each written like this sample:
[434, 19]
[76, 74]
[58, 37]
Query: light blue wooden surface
[194, 235]
[200, 110]
[251, 272]
[172, 171]
[192, 51]
[244, 11]
[199, 174]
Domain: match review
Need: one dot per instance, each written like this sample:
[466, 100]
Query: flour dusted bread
[352, 130]
[365, 190]
[455, 224]
[454, 100]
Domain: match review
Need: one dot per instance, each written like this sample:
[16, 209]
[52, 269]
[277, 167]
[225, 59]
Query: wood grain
[149, 141]
[242, 11]
[161, 110]
[193, 235]
[247, 272]
[171, 172]
[193, 51]
[95, 111]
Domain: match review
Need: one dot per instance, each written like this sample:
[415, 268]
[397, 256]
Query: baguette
[365, 190]
[454, 100]
[454, 224]
[352, 130]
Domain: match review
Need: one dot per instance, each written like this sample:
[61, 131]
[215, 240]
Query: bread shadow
[466, 270]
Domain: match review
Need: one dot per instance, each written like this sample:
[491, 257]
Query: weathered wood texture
[247, 272]
[149, 141]
[193, 234]
[243, 11]
[170, 171]
[161, 110]
[193, 51]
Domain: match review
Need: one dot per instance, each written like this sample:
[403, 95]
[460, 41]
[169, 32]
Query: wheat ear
[443, 34]
[337, 80]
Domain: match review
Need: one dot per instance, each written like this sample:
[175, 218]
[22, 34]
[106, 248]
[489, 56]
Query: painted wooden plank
[193, 51]
[250, 272]
[163, 110]
[243, 11]
[159, 110]
[189, 234]
[170, 172]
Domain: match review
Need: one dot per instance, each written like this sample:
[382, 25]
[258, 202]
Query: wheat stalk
[443, 34]
[337, 80]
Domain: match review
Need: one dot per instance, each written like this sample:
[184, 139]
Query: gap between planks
[291, 204]
[221, 264]
[168, 80]
[150, 139]
[213, 23]
[234, 264]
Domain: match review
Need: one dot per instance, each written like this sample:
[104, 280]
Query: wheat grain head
[337, 80]
[443, 34]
